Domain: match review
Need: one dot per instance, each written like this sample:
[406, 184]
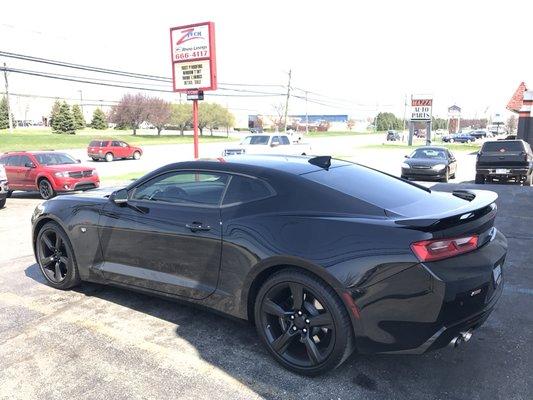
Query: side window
[24, 160]
[104, 144]
[13, 161]
[242, 189]
[3, 160]
[187, 188]
[275, 140]
[284, 140]
[115, 143]
[123, 144]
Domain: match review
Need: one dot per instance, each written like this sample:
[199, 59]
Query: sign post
[421, 111]
[194, 65]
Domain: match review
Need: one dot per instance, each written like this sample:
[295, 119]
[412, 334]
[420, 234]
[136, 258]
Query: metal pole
[287, 100]
[306, 116]
[9, 116]
[195, 126]
[81, 102]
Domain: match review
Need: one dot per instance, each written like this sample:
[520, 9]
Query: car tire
[3, 203]
[289, 332]
[136, 155]
[55, 257]
[452, 140]
[109, 157]
[480, 179]
[446, 176]
[527, 182]
[46, 190]
[9, 193]
[94, 158]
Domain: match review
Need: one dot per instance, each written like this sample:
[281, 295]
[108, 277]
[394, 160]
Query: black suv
[505, 160]
[393, 136]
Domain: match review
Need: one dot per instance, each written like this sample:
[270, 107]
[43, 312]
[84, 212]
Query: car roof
[258, 164]
[431, 148]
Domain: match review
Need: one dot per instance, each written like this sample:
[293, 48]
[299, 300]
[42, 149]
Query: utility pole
[287, 100]
[404, 111]
[81, 102]
[306, 116]
[7, 99]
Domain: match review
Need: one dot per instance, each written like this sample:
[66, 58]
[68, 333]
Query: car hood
[424, 162]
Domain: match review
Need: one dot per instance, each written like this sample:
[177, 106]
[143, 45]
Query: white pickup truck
[274, 143]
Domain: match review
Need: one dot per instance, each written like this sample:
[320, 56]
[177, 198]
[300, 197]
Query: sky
[358, 57]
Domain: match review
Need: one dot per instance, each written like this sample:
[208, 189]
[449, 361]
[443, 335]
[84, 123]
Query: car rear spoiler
[478, 200]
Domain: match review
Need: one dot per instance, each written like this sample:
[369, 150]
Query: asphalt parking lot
[101, 342]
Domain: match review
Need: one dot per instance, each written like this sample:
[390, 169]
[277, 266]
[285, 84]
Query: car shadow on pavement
[233, 347]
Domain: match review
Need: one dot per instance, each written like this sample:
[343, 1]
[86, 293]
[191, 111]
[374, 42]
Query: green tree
[64, 122]
[213, 116]
[54, 113]
[99, 120]
[79, 120]
[4, 114]
[181, 116]
[387, 120]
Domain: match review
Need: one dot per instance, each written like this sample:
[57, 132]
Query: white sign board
[421, 109]
[192, 74]
[190, 43]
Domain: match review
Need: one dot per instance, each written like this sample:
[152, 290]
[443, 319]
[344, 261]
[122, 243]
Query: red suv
[49, 172]
[111, 149]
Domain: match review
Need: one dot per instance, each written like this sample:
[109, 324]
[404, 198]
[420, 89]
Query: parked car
[275, 143]
[110, 150]
[323, 256]
[48, 172]
[509, 137]
[459, 138]
[479, 134]
[4, 186]
[393, 136]
[430, 163]
[505, 160]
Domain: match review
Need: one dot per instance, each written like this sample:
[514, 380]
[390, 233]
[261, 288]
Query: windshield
[259, 139]
[54, 159]
[429, 153]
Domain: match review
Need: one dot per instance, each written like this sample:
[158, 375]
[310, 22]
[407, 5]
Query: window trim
[220, 204]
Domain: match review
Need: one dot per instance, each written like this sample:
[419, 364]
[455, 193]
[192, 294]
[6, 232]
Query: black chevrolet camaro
[324, 256]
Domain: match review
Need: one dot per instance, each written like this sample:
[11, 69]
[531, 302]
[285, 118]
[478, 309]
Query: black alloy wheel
[46, 190]
[303, 323]
[55, 257]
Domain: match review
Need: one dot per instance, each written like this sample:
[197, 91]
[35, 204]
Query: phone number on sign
[194, 54]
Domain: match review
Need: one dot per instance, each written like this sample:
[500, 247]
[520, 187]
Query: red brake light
[438, 249]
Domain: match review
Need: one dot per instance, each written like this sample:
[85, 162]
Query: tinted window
[202, 188]
[368, 185]
[95, 143]
[3, 160]
[503, 146]
[54, 159]
[13, 161]
[24, 160]
[115, 144]
[284, 140]
[259, 139]
[242, 189]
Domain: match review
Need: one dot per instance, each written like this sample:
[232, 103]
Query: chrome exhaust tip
[460, 339]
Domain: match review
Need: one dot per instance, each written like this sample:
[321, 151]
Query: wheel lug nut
[304, 330]
[299, 313]
[306, 321]
[292, 316]
[294, 328]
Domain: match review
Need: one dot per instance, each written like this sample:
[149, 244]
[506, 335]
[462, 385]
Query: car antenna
[321, 161]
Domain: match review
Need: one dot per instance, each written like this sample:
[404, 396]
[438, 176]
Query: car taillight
[439, 249]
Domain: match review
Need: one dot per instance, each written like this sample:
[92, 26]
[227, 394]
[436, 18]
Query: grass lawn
[454, 147]
[44, 139]
[336, 133]
[123, 179]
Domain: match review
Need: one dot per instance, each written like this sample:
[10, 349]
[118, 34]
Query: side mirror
[29, 165]
[78, 161]
[120, 197]
[406, 156]
[274, 144]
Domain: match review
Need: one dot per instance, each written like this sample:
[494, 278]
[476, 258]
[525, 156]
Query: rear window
[503, 146]
[371, 186]
[98, 143]
[242, 189]
[260, 139]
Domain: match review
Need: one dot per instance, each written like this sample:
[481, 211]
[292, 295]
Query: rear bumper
[511, 172]
[423, 307]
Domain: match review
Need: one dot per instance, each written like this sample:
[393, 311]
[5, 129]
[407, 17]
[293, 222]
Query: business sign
[421, 109]
[193, 57]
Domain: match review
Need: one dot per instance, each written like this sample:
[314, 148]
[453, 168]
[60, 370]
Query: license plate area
[501, 171]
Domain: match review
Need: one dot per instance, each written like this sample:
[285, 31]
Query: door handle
[198, 226]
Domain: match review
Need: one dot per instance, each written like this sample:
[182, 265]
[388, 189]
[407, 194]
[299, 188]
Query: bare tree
[512, 123]
[159, 112]
[131, 111]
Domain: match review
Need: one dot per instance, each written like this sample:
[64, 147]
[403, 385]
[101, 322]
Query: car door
[117, 150]
[25, 173]
[452, 162]
[126, 149]
[12, 166]
[167, 237]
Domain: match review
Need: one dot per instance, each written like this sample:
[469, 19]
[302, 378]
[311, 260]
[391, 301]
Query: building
[314, 122]
[522, 104]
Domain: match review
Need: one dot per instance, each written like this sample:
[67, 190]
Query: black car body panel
[357, 241]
